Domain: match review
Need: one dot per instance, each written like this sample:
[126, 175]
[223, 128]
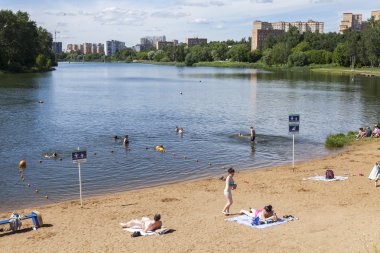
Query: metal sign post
[294, 127]
[79, 157]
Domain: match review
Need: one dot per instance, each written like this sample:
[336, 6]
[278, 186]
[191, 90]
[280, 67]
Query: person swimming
[51, 155]
[176, 129]
[180, 131]
[126, 140]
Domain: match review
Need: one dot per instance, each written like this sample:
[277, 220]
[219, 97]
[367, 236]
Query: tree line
[23, 45]
[293, 48]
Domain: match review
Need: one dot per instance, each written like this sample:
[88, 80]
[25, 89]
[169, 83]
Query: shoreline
[193, 208]
[42, 202]
[335, 70]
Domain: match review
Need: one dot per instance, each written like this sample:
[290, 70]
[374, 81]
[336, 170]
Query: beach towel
[375, 173]
[158, 231]
[323, 178]
[140, 230]
[246, 220]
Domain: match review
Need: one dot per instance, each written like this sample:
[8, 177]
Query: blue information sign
[294, 118]
[79, 156]
[294, 128]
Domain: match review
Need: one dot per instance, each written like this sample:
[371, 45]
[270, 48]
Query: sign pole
[79, 157]
[293, 152]
[294, 127]
[80, 184]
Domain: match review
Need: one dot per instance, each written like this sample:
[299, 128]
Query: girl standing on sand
[230, 185]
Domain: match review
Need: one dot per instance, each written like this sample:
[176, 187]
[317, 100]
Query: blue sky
[100, 20]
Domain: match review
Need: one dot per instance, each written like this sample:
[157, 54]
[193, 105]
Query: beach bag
[329, 174]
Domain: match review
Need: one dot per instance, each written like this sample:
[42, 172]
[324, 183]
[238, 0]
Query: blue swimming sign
[294, 128]
[79, 156]
[294, 118]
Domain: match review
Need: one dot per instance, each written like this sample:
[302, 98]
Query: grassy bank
[344, 70]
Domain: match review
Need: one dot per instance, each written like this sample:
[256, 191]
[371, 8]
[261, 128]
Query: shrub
[340, 140]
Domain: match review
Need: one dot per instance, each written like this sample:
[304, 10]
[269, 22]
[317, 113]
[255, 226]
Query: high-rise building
[262, 30]
[113, 46]
[375, 15]
[57, 47]
[190, 42]
[100, 48]
[151, 41]
[351, 21]
[87, 48]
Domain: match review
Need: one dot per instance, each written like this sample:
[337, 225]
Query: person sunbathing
[145, 223]
[264, 214]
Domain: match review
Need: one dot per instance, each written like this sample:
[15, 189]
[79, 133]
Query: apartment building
[162, 44]
[190, 42]
[262, 30]
[151, 41]
[113, 46]
[86, 48]
[375, 15]
[57, 47]
[350, 20]
[100, 48]
[309, 26]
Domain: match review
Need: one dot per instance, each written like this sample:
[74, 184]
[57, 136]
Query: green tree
[239, 52]
[340, 55]
[298, 59]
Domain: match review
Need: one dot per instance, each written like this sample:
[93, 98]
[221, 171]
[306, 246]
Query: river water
[85, 105]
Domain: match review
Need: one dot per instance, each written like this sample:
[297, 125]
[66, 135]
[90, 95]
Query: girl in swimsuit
[230, 185]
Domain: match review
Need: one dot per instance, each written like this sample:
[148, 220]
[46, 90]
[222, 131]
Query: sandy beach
[333, 216]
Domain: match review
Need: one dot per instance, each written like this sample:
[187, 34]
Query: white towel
[323, 178]
[375, 173]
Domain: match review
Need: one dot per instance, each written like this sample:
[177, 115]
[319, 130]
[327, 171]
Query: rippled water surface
[86, 104]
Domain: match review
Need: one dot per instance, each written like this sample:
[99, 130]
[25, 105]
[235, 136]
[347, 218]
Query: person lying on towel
[145, 223]
[264, 214]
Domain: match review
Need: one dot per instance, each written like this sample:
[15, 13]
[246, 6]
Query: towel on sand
[137, 229]
[323, 178]
[246, 220]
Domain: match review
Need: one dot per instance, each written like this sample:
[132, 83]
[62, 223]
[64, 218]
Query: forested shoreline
[24, 47]
[353, 49]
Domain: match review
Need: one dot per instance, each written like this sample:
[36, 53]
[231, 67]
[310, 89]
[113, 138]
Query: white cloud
[321, 1]
[60, 13]
[169, 14]
[202, 21]
[119, 16]
[262, 1]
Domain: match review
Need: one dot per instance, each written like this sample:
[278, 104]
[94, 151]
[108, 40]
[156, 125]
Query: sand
[333, 216]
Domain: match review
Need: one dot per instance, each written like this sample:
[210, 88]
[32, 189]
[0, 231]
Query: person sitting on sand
[264, 214]
[368, 132]
[145, 223]
[361, 134]
[376, 132]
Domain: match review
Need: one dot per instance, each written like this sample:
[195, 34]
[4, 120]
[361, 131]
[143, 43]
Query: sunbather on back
[145, 223]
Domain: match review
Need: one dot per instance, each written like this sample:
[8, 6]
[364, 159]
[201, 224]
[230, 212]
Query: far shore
[333, 216]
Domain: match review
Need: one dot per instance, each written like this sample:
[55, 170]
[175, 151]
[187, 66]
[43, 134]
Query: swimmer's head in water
[157, 217]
